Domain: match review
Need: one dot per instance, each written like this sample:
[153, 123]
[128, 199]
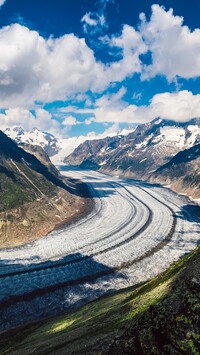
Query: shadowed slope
[160, 316]
[182, 172]
[34, 197]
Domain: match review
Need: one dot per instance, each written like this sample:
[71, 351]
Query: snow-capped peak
[36, 137]
[14, 131]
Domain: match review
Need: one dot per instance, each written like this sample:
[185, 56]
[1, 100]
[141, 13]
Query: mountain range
[56, 148]
[144, 153]
[147, 153]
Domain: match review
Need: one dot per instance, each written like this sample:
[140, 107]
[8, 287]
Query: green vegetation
[24, 178]
[11, 194]
[160, 316]
[15, 189]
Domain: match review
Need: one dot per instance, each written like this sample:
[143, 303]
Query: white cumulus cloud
[2, 2]
[33, 68]
[132, 46]
[174, 48]
[70, 121]
[19, 116]
[178, 106]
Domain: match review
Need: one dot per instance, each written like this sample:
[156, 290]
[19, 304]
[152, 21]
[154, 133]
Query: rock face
[41, 155]
[26, 176]
[93, 152]
[34, 198]
[182, 172]
[36, 137]
[141, 152]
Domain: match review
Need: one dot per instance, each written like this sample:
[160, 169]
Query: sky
[91, 67]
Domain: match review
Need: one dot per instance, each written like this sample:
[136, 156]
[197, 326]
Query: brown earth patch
[32, 220]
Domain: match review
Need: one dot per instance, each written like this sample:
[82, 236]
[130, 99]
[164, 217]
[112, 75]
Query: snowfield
[135, 232]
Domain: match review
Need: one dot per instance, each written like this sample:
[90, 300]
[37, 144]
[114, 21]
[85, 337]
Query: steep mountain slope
[66, 146]
[93, 152]
[36, 137]
[141, 152]
[33, 196]
[182, 172]
[41, 155]
[160, 316]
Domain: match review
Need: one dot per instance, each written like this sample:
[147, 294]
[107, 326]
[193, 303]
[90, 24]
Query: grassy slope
[158, 317]
[23, 177]
[17, 190]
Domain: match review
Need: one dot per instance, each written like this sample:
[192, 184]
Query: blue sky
[91, 67]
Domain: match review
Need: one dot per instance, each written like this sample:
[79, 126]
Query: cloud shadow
[45, 289]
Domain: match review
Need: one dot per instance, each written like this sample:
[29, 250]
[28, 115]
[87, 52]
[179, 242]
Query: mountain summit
[36, 137]
[141, 152]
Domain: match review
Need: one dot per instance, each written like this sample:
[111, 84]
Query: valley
[135, 231]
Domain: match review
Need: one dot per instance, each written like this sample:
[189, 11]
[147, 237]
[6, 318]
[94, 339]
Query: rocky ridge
[34, 197]
[144, 153]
